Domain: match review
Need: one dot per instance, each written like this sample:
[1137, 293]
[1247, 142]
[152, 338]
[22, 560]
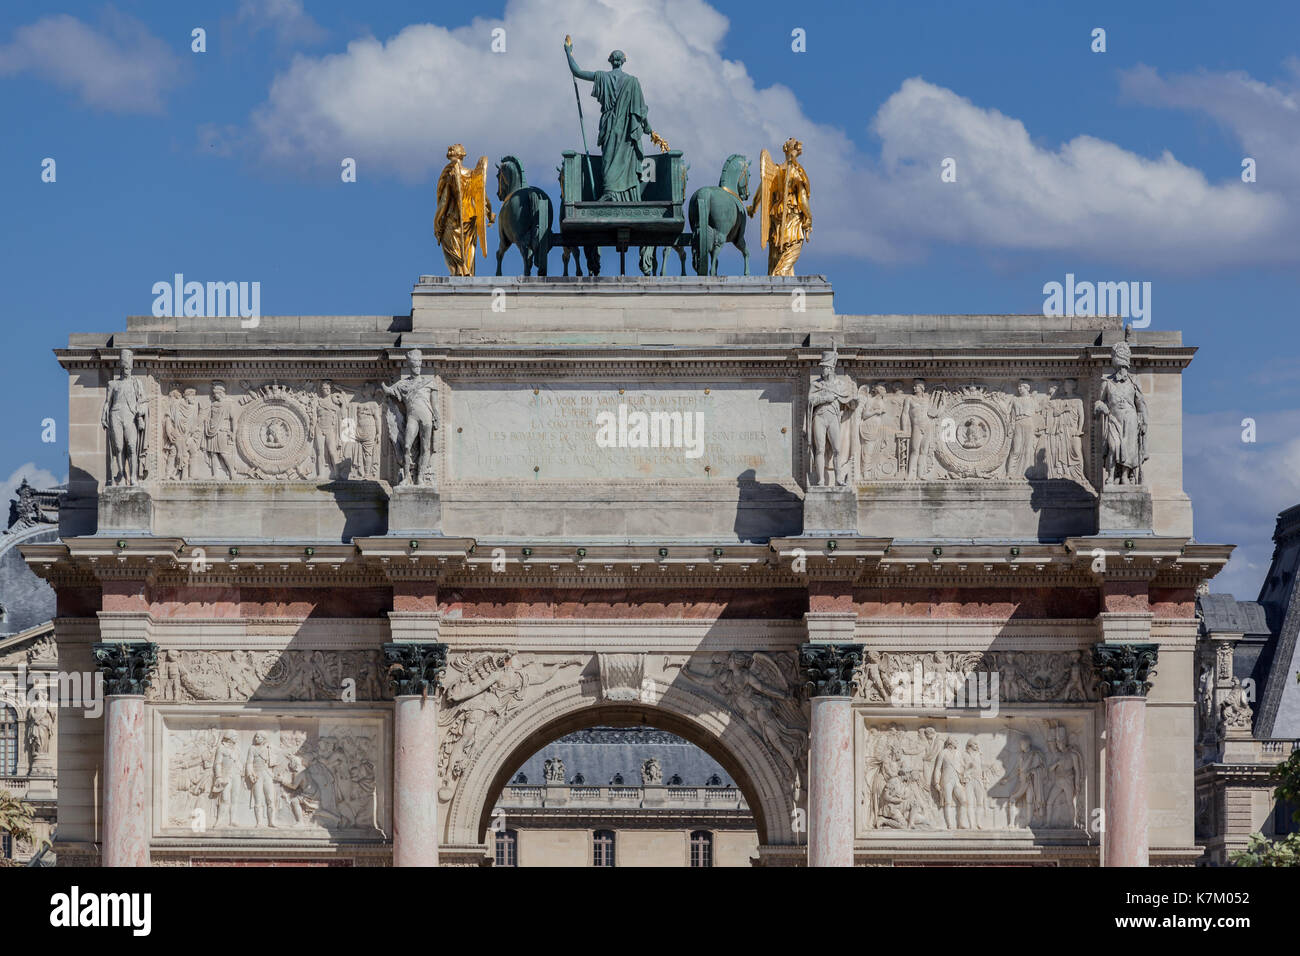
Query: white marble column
[1124, 671]
[128, 668]
[126, 829]
[415, 670]
[1126, 782]
[830, 783]
[415, 781]
[828, 671]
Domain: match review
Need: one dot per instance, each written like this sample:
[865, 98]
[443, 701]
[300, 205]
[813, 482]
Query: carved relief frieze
[272, 776]
[238, 675]
[1006, 773]
[317, 430]
[1025, 676]
[761, 689]
[480, 692]
[947, 431]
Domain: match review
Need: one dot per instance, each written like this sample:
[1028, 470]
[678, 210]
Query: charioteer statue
[624, 119]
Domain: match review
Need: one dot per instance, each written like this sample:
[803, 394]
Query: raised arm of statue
[573, 66]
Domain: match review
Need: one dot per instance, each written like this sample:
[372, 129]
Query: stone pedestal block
[654, 796]
[1124, 509]
[830, 510]
[415, 509]
[125, 509]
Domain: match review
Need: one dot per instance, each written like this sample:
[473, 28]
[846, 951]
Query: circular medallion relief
[272, 435]
[973, 439]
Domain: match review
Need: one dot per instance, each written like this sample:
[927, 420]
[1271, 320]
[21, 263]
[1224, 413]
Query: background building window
[507, 848]
[8, 740]
[6, 847]
[603, 848]
[1283, 823]
[701, 848]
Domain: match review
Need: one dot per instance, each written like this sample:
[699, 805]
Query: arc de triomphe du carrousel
[923, 584]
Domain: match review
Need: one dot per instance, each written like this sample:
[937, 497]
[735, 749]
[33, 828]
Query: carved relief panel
[1028, 772]
[1017, 430]
[266, 774]
[317, 430]
[238, 675]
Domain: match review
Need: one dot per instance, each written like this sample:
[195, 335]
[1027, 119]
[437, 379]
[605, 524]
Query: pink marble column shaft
[830, 783]
[415, 781]
[126, 815]
[1126, 782]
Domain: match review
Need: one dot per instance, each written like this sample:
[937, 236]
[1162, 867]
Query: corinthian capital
[128, 666]
[1124, 670]
[828, 669]
[414, 668]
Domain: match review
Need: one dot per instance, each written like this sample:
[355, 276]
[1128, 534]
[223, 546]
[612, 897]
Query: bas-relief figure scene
[936, 432]
[1014, 430]
[237, 675]
[315, 430]
[980, 774]
[231, 776]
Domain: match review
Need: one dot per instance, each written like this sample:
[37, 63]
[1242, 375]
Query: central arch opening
[622, 785]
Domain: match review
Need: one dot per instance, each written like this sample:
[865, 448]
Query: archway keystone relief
[741, 707]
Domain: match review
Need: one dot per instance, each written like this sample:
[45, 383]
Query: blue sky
[1117, 165]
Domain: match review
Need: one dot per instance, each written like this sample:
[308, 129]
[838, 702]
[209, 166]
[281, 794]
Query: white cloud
[286, 18]
[121, 67]
[39, 478]
[396, 105]
[1237, 489]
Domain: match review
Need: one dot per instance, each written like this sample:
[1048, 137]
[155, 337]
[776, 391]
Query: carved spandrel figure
[464, 212]
[219, 431]
[831, 400]
[412, 417]
[624, 119]
[783, 198]
[259, 774]
[1124, 412]
[125, 416]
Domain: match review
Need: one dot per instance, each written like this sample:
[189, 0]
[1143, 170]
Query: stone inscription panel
[591, 432]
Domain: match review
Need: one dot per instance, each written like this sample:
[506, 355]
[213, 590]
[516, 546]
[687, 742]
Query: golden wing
[474, 201]
[766, 179]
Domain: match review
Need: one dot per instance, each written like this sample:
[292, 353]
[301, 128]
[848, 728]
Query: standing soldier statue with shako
[1122, 409]
[125, 416]
[464, 212]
